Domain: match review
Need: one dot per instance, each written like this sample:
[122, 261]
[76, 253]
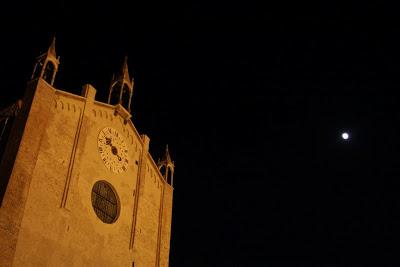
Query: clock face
[113, 150]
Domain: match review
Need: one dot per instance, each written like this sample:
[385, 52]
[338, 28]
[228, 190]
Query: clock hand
[114, 149]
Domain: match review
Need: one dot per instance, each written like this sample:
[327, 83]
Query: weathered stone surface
[47, 217]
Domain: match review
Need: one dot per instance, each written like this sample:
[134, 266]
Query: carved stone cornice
[119, 109]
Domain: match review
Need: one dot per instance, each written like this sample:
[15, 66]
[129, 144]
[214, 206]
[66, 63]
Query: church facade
[78, 184]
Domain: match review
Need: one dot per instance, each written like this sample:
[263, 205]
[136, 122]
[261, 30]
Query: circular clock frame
[113, 150]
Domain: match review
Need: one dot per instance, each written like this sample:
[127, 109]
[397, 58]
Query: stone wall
[47, 213]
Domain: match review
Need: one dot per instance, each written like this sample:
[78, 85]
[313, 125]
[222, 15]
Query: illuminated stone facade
[59, 147]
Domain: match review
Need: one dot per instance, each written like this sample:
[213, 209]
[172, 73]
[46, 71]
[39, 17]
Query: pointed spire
[167, 157]
[52, 48]
[125, 71]
[46, 66]
[168, 171]
[121, 88]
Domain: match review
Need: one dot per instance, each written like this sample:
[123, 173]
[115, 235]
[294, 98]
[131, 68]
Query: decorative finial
[125, 71]
[167, 157]
[52, 48]
[121, 88]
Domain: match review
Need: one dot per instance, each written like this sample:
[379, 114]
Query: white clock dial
[113, 150]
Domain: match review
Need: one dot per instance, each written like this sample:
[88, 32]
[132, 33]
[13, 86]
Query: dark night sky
[252, 100]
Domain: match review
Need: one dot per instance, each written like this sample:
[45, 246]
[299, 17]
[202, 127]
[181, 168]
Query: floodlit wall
[47, 217]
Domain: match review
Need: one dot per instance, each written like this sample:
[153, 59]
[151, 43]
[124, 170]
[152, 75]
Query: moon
[345, 136]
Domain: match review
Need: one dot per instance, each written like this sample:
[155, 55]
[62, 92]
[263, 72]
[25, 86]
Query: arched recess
[115, 94]
[162, 170]
[49, 72]
[125, 98]
[37, 70]
[169, 176]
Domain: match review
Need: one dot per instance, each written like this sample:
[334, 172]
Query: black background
[252, 100]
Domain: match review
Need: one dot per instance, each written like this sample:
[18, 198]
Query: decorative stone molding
[125, 115]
